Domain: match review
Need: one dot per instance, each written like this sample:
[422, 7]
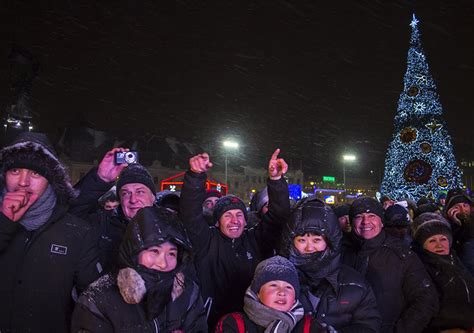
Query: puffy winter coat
[225, 266]
[39, 270]
[406, 296]
[455, 287]
[333, 293]
[125, 302]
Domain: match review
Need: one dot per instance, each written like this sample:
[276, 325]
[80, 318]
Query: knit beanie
[430, 224]
[33, 151]
[396, 216]
[366, 205]
[272, 269]
[135, 173]
[226, 203]
[456, 196]
[342, 210]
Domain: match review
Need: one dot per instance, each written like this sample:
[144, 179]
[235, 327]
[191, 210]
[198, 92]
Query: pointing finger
[275, 154]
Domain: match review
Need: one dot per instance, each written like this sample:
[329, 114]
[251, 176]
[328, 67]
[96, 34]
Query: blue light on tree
[420, 159]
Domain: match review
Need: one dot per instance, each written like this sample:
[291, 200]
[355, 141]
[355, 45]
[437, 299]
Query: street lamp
[346, 158]
[228, 145]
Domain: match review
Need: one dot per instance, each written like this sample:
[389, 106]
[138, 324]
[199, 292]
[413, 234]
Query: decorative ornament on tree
[413, 91]
[408, 135]
[433, 126]
[418, 171]
[425, 147]
[419, 107]
[420, 78]
[442, 181]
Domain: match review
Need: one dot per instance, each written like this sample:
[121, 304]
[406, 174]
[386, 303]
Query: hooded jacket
[333, 293]
[138, 299]
[42, 267]
[225, 266]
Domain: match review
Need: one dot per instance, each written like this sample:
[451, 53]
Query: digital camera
[129, 157]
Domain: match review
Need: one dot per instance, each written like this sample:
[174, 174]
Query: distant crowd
[111, 254]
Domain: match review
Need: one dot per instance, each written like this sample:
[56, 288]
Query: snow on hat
[430, 224]
[273, 269]
[136, 173]
[33, 151]
[396, 216]
[366, 205]
[226, 203]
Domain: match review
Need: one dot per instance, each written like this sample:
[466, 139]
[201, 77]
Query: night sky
[314, 78]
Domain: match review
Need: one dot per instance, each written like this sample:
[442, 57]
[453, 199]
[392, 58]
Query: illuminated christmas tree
[420, 159]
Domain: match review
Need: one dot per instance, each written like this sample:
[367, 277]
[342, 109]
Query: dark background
[315, 78]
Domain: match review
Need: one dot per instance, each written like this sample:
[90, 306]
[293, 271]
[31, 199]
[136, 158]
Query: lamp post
[228, 144]
[346, 158]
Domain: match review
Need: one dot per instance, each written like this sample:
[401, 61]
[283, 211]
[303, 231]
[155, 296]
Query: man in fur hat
[44, 251]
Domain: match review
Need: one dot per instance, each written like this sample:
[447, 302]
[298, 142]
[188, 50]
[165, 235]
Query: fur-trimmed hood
[34, 151]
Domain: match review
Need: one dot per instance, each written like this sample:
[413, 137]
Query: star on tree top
[414, 22]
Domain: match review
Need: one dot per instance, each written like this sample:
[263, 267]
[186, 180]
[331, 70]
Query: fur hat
[366, 205]
[226, 203]
[430, 224]
[396, 216]
[34, 151]
[426, 208]
[273, 269]
[136, 173]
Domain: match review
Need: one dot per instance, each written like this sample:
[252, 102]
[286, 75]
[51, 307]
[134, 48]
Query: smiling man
[44, 251]
[406, 296]
[226, 255]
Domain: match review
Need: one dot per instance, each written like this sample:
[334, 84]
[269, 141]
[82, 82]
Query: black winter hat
[342, 210]
[366, 205]
[456, 196]
[35, 152]
[212, 194]
[396, 216]
[273, 269]
[136, 173]
[430, 224]
[226, 203]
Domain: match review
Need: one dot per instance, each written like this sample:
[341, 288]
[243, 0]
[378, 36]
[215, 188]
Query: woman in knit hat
[432, 241]
[270, 303]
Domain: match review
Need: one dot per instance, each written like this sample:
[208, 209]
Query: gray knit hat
[272, 269]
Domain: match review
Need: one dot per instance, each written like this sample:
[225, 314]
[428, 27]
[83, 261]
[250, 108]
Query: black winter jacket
[455, 286]
[225, 266]
[40, 269]
[102, 309]
[333, 293]
[406, 296]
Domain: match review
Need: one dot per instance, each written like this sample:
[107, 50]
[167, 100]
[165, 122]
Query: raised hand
[277, 167]
[15, 204]
[200, 163]
[109, 171]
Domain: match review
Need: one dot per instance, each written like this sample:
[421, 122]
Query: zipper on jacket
[467, 291]
[156, 325]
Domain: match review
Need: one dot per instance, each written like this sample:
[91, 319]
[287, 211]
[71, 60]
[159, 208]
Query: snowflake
[440, 161]
[419, 107]
[420, 55]
[421, 79]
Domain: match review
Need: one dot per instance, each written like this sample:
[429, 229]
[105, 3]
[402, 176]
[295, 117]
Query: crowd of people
[111, 254]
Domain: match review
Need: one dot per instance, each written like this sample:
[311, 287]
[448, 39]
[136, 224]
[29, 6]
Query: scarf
[273, 320]
[159, 286]
[40, 212]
